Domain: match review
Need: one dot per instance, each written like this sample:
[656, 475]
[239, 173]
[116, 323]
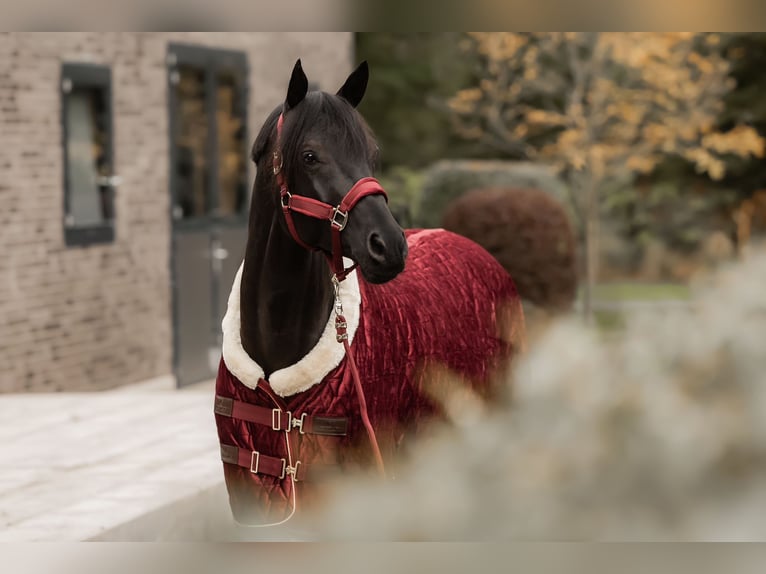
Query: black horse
[290, 398]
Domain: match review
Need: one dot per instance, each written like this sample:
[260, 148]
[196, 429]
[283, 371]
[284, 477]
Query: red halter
[336, 215]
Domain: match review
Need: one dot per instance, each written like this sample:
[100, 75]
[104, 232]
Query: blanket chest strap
[280, 420]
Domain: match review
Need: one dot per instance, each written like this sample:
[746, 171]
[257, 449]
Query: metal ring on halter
[285, 199]
[340, 225]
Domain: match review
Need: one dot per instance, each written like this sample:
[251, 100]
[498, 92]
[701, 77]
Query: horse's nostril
[376, 247]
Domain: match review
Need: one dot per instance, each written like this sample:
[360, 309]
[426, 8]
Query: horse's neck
[286, 296]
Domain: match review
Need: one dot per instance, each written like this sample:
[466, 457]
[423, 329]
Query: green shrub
[445, 181]
[674, 213]
[403, 186]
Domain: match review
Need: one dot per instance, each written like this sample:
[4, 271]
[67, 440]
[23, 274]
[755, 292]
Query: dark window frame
[212, 60]
[88, 76]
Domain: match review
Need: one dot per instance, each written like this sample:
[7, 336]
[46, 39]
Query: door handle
[110, 180]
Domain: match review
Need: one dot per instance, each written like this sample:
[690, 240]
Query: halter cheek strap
[337, 216]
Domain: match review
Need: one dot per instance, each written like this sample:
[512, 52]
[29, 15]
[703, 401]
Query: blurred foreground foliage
[655, 433]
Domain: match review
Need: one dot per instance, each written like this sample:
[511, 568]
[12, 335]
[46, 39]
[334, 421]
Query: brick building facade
[88, 315]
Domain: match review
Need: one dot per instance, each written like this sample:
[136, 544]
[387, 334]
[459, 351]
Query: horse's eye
[309, 158]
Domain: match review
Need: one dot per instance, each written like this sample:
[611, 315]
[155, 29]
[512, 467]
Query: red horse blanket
[453, 310]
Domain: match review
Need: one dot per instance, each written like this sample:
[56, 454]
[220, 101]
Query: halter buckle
[339, 224]
[284, 199]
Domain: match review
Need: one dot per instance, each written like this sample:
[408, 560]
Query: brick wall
[74, 318]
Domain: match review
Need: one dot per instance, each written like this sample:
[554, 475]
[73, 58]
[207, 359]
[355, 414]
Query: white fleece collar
[313, 367]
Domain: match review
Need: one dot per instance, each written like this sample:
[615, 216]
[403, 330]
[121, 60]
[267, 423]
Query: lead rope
[293, 496]
[341, 336]
[266, 388]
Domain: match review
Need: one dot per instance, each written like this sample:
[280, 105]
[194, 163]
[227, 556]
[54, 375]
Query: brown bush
[529, 233]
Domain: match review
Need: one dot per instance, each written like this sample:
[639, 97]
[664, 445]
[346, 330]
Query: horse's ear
[299, 86]
[356, 84]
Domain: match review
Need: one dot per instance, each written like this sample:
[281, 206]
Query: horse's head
[326, 147]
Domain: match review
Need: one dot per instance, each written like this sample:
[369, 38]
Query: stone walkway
[74, 466]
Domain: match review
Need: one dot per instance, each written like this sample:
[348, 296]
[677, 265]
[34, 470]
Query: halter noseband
[336, 215]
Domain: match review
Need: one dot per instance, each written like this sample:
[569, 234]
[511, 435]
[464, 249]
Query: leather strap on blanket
[280, 420]
[259, 463]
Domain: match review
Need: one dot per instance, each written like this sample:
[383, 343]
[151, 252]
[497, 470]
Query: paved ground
[74, 466]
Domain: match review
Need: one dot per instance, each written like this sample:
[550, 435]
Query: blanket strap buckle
[290, 470]
[298, 423]
[276, 420]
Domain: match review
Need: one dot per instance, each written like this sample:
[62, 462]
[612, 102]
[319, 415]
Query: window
[208, 134]
[89, 181]
[192, 163]
[230, 121]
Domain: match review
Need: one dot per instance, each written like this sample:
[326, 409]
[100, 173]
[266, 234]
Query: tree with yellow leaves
[599, 106]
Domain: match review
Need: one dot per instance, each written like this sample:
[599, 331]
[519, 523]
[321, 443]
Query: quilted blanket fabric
[454, 310]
